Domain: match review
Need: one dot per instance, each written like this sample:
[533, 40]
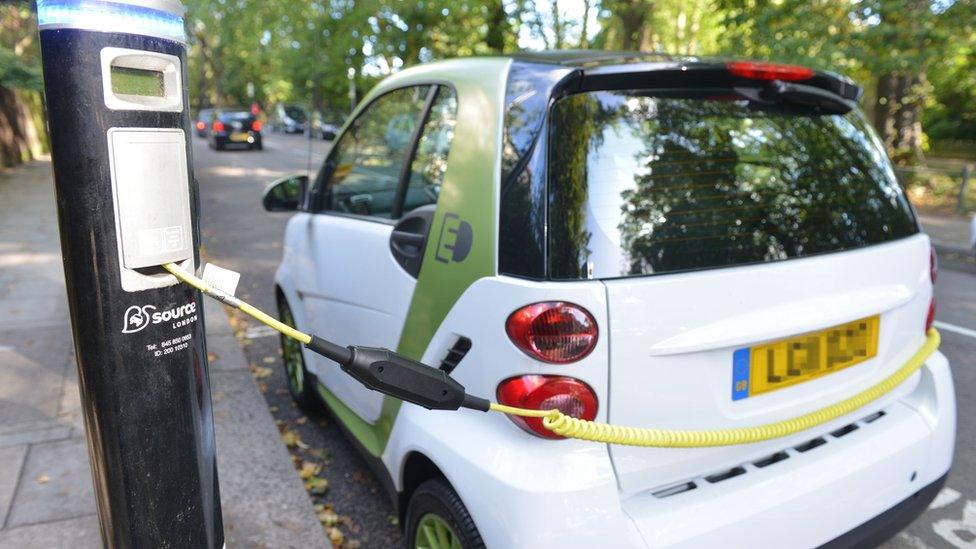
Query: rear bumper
[856, 487]
[875, 531]
[815, 496]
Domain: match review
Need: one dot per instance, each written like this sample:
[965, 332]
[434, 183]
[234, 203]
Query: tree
[21, 112]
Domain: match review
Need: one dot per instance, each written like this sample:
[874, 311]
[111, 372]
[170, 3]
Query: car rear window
[236, 116]
[643, 183]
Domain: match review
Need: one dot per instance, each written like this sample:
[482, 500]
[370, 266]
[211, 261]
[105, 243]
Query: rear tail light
[218, 126]
[256, 126]
[201, 125]
[768, 71]
[553, 331]
[930, 317]
[537, 392]
[933, 274]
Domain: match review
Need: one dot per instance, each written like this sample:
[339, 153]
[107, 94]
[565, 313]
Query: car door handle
[406, 238]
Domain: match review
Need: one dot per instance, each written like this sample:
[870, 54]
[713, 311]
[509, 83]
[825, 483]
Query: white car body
[661, 361]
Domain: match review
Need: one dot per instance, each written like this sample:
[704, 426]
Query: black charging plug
[398, 376]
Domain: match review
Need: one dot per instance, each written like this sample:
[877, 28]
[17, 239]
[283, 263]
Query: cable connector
[398, 376]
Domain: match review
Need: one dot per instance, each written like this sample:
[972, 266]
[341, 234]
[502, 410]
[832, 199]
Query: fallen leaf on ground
[335, 536]
[291, 439]
[327, 517]
[211, 357]
[301, 421]
[261, 372]
[43, 479]
[269, 360]
[317, 486]
[309, 470]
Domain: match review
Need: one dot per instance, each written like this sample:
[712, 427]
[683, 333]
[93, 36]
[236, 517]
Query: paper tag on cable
[220, 278]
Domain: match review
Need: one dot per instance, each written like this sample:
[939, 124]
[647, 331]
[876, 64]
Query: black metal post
[141, 356]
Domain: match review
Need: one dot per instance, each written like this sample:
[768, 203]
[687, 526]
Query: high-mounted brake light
[536, 392]
[768, 71]
[218, 126]
[256, 126]
[553, 331]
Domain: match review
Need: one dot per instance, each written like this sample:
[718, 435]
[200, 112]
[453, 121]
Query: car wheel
[259, 146]
[437, 519]
[301, 382]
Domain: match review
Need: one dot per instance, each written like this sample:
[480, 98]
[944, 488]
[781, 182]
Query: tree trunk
[497, 26]
[632, 14]
[18, 136]
[898, 114]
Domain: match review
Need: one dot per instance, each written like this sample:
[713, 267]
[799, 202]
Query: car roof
[593, 58]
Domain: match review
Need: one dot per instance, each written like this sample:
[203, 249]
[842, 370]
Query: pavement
[950, 234]
[46, 498]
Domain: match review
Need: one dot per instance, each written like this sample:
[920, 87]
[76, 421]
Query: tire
[437, 519]
[301, 382]
[259, 146]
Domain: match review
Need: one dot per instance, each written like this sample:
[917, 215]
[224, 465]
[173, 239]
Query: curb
[264, 502]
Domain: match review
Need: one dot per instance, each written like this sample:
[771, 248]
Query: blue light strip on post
[103, 16]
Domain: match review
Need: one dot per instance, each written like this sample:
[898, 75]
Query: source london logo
[137, 318]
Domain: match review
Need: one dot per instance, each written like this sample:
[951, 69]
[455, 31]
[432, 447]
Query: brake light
[930, 317]
[553, 331]
[768, 71]
[537, 392]
[933, 264]
[256, 126]
[218, 126]
[201, 125]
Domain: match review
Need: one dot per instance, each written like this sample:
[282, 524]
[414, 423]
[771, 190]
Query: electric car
[634, 239]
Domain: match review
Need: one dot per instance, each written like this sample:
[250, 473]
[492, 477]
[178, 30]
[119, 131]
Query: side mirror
[286, 194]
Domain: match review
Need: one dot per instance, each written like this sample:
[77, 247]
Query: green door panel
[461, 247]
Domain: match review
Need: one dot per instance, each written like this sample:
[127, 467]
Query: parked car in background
[235, 127]
[656, 242]
[202, 124]
[327, 123]
[288, 118]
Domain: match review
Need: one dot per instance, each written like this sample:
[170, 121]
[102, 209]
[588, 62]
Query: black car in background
[235, 127]
[202, 124]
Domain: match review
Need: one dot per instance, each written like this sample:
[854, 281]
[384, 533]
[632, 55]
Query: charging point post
[115, 87]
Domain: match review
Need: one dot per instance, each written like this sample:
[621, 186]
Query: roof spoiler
[820, 90]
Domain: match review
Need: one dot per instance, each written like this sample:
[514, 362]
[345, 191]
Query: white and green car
[635, 239]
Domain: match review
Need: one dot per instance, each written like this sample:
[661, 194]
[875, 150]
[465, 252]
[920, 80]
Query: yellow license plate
[771, 366]
[238, 137]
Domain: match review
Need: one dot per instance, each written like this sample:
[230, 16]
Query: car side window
[430, 161]
[364, 167]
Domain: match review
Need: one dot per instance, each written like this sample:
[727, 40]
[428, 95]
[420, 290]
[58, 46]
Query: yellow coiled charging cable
[570, 427]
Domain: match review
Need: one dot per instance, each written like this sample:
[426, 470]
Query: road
[240, 235]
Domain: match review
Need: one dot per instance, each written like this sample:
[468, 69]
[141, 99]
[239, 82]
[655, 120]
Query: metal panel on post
[115, 87]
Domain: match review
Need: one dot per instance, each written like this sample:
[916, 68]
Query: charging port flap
[152, 201]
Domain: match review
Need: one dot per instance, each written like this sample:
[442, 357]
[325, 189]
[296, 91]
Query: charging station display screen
[131, 81]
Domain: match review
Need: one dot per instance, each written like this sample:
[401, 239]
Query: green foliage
[15, 74]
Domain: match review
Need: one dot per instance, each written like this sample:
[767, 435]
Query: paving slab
[33, 363]
[55, 484]
[13, 458]
[76, 533]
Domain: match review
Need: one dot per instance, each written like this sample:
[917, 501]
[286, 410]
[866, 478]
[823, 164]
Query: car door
[372, 204]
